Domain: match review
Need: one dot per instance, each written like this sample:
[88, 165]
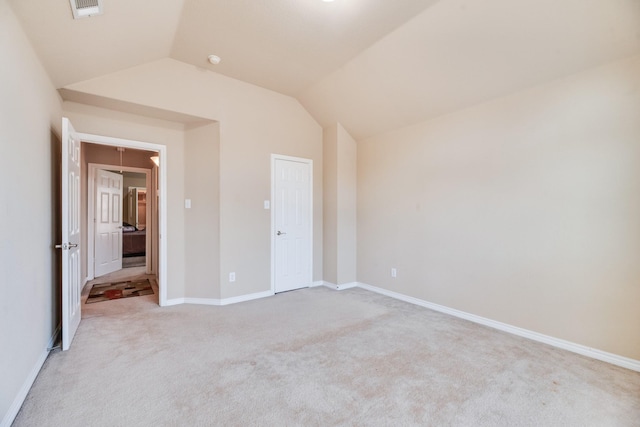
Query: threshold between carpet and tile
[317, 357]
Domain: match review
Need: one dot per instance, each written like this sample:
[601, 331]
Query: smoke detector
[85, 8]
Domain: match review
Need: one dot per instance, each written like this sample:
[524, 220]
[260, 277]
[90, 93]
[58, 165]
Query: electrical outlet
[232, 277]
[394, 272]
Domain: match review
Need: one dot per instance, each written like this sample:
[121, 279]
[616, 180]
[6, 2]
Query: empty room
[314, 212]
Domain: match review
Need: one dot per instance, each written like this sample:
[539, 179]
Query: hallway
[120, 305]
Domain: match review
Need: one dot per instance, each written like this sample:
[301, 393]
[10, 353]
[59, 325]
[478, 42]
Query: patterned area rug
[117, 290]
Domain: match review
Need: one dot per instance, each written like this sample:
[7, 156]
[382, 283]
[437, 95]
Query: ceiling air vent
[86, 8]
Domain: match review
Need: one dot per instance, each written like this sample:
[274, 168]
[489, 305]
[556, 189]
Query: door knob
[279, 233]
[66, 246]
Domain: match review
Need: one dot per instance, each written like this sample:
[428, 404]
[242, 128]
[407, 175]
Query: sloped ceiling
[373, 65]
[129, 33]
[285, 45]
[460, 53]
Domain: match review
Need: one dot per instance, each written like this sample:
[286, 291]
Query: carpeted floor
[317, 357]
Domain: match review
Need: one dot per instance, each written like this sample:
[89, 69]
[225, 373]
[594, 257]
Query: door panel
[108, 241]
[71, 281]
[293, 221]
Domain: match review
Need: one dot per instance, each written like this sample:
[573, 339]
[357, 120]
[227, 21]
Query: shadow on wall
[56, 228]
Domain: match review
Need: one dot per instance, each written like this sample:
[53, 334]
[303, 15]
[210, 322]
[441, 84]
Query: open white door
[70, 233]
[292, 213]
[108, 222]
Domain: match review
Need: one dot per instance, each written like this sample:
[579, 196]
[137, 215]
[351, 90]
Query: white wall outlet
[232, 276]
[267, 204]
[187, 203]
[394, 272]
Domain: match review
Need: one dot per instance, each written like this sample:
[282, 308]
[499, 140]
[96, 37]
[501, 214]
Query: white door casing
[108, 222]
[292, 219]
[159, 194]
[71, 283]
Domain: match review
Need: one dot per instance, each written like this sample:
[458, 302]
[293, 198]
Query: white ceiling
[373, 65]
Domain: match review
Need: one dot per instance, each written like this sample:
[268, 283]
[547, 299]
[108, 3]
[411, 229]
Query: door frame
[161, 193]
[93, 168]
[309, 162]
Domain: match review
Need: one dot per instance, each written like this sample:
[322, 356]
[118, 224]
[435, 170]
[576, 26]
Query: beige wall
[107, 155]
[30, 122]
[202, 221]
[339, 187]
[254, 123]
[523, 210]
[98, 121]
[134, 179]
[347, 206]
[330, 205]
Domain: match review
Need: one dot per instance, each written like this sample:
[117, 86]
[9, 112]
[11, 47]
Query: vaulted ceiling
[373, 65]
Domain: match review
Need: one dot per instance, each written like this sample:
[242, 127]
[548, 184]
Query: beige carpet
[316, 357]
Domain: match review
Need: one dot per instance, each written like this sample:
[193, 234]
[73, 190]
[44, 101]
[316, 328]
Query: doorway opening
[121, 217]
[139, 226]
[73, 222]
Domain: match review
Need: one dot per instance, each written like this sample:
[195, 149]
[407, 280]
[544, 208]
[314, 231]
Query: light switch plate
[267, 204]
[187, 203]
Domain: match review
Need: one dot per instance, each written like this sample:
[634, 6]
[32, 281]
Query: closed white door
[108, 223]
[292, 205]
[70, 245]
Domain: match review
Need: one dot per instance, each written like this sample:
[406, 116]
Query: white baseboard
[201, 301]
[593, 353]
[243, 298]
[337, 287]
[218, 302]
[172, 302]
[54, 337]
[330, 285]
[11, 414]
